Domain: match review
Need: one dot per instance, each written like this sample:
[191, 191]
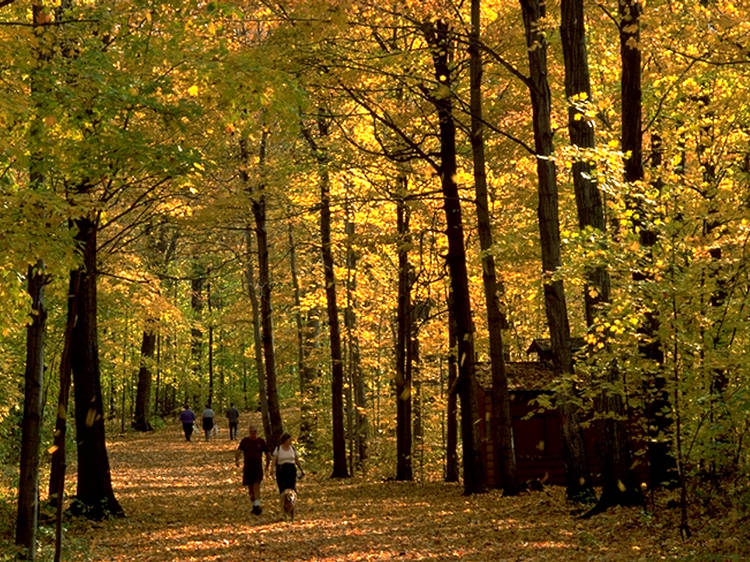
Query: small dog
[288, 499]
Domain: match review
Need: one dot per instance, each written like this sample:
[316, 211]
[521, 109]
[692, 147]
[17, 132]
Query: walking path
[184, 501]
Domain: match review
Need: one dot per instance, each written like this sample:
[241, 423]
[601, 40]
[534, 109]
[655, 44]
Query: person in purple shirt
[187, 417]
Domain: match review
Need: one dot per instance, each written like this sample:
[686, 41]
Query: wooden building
[537, 432]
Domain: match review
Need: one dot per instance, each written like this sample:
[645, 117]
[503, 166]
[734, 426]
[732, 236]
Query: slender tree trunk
[95, 498]
[309, 376]
[579, 485]
[143, 394]
[337, 365]
[210, 400]
[437, 35]
[502, 429]
[196, 332]
[257, 343]
[258, 199]
[451, 454]
[355, 368]
[296, 293]
[650, 348]
[403, 330]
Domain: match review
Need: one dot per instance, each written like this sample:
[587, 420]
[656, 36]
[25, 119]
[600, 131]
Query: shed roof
[529, 376]
[543, 346]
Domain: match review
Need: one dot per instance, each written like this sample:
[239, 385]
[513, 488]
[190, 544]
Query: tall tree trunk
[309, 376]
[297, 296]
[28, 481]
[95, 498]
[27, 514]
[141, 421]
[579, 485]
[196, 331]
[404, 318]
[650, 347]
[58, 463]
[619, 486]
[437, 35]
[257, 342]
[451, 445]
[258, 201]
[337, 365]
[502, 429]
[210, 399]
[354, 364]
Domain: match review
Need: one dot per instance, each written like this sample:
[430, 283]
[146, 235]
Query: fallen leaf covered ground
[184, 501]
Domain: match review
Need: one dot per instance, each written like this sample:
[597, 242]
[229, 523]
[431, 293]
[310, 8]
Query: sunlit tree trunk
[143, 393]
[579, 485]
[438, 38]
[502, 429]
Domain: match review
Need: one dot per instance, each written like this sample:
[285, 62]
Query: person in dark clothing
[233, 416]
[207, 420]
[252, 449]
[187, 417]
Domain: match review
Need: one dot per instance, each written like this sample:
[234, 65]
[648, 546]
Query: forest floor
[184, 501]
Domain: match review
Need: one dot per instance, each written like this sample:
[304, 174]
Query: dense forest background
[342, 207]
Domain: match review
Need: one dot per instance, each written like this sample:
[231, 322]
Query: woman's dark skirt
[286, 476]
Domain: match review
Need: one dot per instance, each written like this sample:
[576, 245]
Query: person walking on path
[286, 461]
[252, 448]
[187, 417]
[207, 421]
[233, 416]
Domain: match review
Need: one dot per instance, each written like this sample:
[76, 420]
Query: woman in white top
[286, 462]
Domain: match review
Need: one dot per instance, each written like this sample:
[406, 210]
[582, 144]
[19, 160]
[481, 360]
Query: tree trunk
[355, 368]
[502, 429]
[28, 481]
[438, 37]
[196, 332]
[210, 400]
[143, 393]
[309, 376]
[619, 486]
[579, 486]
[257, 343]
[27, 514]
[451, 445]
[340, 469]
[95, 498]
[632, 145]
[258, 199]
[403, 330]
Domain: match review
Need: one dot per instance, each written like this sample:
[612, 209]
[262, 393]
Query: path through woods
[184, 502]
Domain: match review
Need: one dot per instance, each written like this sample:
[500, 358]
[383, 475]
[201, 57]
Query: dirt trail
[184, 502]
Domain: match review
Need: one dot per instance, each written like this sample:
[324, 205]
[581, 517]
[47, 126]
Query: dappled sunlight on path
[184, 501]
